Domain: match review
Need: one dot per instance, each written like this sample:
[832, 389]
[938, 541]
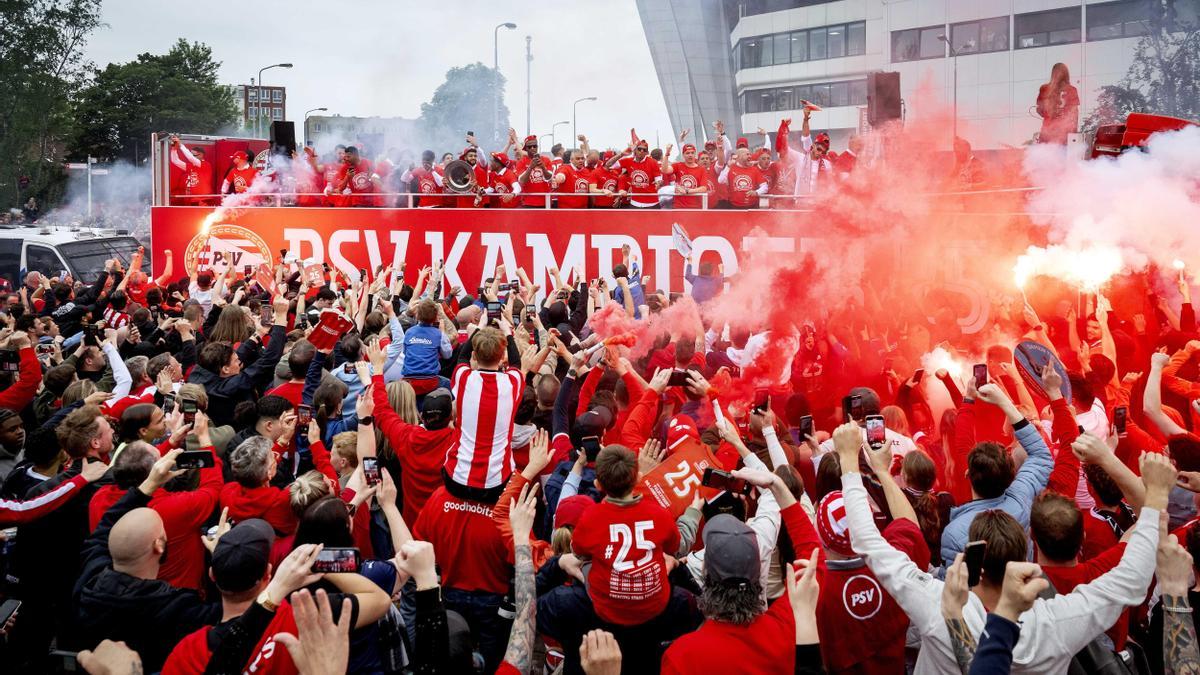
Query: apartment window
[252, 111]
[277, 96]
[266, 112]
[837, 41]
[784, 99]
[277, 113]
[753, 50]
[252, 95]
[915, 44]
[264, 94]
[317, 126]
[1112, 20]
[980, 37]
[856, 39]
[1039, 29]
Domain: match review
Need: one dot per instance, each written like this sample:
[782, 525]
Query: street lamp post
[306, 114]
[953, 55]
[553, 128]
[574, 130]
[496, 76]
[257, 125]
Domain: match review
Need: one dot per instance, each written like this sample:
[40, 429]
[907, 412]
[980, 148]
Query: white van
[52, 249]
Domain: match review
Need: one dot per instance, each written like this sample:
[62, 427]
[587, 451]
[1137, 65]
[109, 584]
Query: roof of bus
[60, 234]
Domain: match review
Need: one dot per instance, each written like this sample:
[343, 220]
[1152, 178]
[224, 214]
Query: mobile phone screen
[973, 557]
[590, 446]
[806, 427]
[195, 459]
[333, 560]
[679, 378]
[1120, 417]
[762, 400]
[981, 374]
[371, 471]
[876, 431]
[304, 414]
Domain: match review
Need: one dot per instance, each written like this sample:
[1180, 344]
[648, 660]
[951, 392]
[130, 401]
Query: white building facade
[783, 51]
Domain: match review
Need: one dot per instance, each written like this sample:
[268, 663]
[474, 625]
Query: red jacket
[23, 389]
[1064, 477]
[266, 502]
[421, 452]
[639, 423]
[182, 514]
[14, 513]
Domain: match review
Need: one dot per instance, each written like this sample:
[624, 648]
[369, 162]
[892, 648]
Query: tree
[126, 102]
[41, 69]
[1164, 77]
[464, 103]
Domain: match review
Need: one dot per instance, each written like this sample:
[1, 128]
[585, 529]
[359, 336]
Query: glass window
[277, 113]
[858, 92]
[737, 56]
[252, 95]
[965, 37]
[856, 39]
[783, 49]
[42, 259]
[768, 53]
[837, 41]
[87, 258]
[264, 94]
[266, 112]
[752, 52]
[839, 94]
[277, 96]
[1056, 27]
[993, 34]
[931, 46]
[817, 44]
[1110, 20]
[10, 261]
[799, 42]
[252, 111]
[820, 95]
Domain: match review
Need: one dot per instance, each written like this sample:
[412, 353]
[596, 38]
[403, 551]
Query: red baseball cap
[500, 158]
[687, 147]
[680, 427]
[742, 142]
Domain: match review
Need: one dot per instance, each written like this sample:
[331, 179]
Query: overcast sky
[381, 57]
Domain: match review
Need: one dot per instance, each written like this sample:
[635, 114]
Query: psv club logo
[224, 246]
[862, 597]
[639, 178]
[688, 181]
[742, 183]
[361, 182]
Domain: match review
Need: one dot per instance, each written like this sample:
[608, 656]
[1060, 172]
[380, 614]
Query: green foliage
[126, 102]
[41, 69]
[464, 103]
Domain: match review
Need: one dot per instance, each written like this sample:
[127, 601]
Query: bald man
[118, 597]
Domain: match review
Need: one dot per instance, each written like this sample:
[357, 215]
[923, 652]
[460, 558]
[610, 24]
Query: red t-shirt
[427, 186]
[604, 179]
[628, 579]
[502, 188]
[689, 177]
[242, 179]
[198, 180]
[1065, 579]
[740, 182]
[1098, 536]
[573, 181]
[466, 542]
[292, 391]
[533, 191]
[641, 179]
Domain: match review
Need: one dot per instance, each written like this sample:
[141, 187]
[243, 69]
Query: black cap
[438, 404]
[242, 554]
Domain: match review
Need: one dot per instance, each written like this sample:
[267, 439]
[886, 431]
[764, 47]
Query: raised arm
[1152, 398]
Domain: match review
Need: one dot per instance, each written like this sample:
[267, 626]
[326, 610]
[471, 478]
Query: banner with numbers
[673, 483]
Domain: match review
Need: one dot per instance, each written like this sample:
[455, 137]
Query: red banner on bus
[472, 242]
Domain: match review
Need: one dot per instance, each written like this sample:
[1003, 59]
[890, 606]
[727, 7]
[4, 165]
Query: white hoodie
[1052, 631]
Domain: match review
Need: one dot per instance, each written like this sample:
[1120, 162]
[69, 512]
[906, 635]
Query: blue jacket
[423, 347]
[1016, 501]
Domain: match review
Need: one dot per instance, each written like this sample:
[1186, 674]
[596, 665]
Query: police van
[57, 249]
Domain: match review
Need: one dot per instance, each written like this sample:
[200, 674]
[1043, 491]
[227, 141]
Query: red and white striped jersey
[486, 405]
[115, 319]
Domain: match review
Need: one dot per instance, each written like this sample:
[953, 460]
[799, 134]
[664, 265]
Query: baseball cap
[679, 427]
[242, 554]
[594, 422]
[742, 142]
[832, 524]
[571, 509]
[730, 550]
[438, 403]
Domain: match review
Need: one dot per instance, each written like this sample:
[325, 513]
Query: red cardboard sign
[673, 483]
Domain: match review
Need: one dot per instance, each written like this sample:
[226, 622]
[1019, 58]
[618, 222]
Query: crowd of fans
[719, 173]
[299, 475]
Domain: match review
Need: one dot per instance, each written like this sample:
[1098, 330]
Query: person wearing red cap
[689, 177]
[197, 173]
[571, 178]
[745, 181]
[503, 185]
[852, 604]
[240, 176]
[811, 169]
[642, 172]
[534, 173]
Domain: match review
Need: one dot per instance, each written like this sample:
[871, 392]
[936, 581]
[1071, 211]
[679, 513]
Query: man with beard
[812, 169]
[534, 173]
[572, 179]
[504, 186]
[643, 174]
[689, 177]
[481, 182]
